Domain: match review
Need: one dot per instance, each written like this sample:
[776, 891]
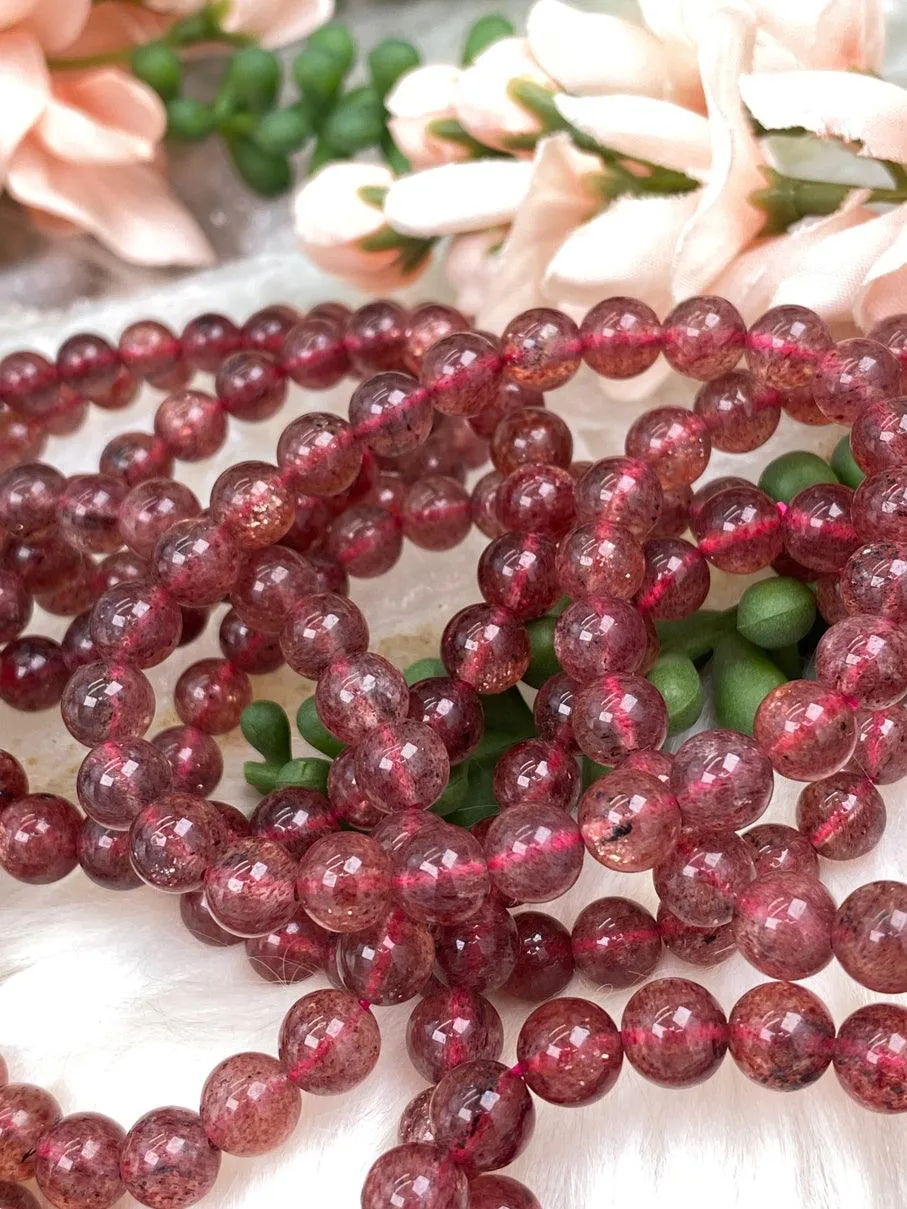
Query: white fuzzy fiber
[109, 1003]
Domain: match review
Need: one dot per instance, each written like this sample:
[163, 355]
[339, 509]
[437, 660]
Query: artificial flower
[458, 197]
[270, 22]
[421, 97]
[484, 104]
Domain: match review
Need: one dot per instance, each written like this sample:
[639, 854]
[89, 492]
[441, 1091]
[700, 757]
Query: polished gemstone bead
[552, 710]
[394, 830]
[875, 581]
[167, 1160]
[704, 336]
[595, 637]
[510, 396]
[174, 839]
[544, 964]
[33, 673]
[869, 936]
[657, 764]
[248, 649]
[426, 325]
[250, 887]
[629, 821]
[703, 878]
[137, 622]
[534, 852]
[853, 374]
[135, 457]
[616, 715]
[440, 874]
[462, 374]
[267, 328]
[313, 353]
[320, 453]
[776, 848]
[870, 1057]
[375, 336]
[387, 962]
[75, 596]
[196, 561]
[118, 778]
[621, 337]
[294, 817]
[785, 346]
[450, 1027]
[537, 499]
[149, 348]
[200, 923]
[600, 559]
[529, 436]
[739, 412]
[843, 816]
[806, 730]
[207, 339]
[881, 750]
[269, 585]
[391, 413]
[88, 513]
[291, 953]
[818, 530]
[87, 363]
[436, 512]
[481, 952]
[15, 606]
[739, 530]
[26, 1114]
[483, 1116]
[454, 712]
[695, 945]
[800, 405]
[878, 438]
[38, 838]
[414, 1176]
[191, 424]
[673, 442]
[124, 566]
[349, 804]
[211, 695]
[344, 881]
[320, 628]
[721, 779]
[196, 763]
[517, 572]
[77, 646]
[675, 512]
[77, 1165]
[483, 501]
[880, 506]
[13, 780]
[149, 510]
[570, 1051]
[29, 497]
[781, 1036]
[675, 581]
[537, 771]
[45, 562]
[358, 693]
[415, 1122]
[248, 1105]
[615, 943]
[674, 1032]
[250, 385]
[486, 646]
[500, 1192]
[783, 925]
[253, 503]
[366, 540]
[328, 1042]
[829, 597]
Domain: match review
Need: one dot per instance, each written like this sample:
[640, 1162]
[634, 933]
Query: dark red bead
[208, 340]
[781, 1036]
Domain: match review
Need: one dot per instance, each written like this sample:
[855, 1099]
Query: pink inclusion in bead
[367, 541]
[721, 779]
[482, 1114]
[402, 766]
[250, 887]
[313, 353]
[510, 396]
[167, 1160]
[26, 1114]
[616, 715]
[829, 598]
[394, 830]
[880, 506]
[530, 436]
[785, 346]
[694, 945]
[248, 1105]
[440, 875]
[892, 332]
[253, 503]
[250, 386]
[818, 530]
[294, 818]
[200, 923]
[500, 1192]
[29, 496]
[196, 561]
[483, 504]
[704, 336]
[600, 559]
[806, 730]
[38, 838]
[450, 1027]
[174, 839]
[88, 513]
[106, 701]
[360, 692]
[45, 562]
[375, 336]
[426, 325]
[739, 530]
[552, 710]
[481, 952]
[211, 696]
[148, 348]
[537, 771]
[76, 595]
[137, 622]
[435, 513]
[486, 646]
[415, 1176]
[629, 821]
[621, 337]
[739, 412]
[388, 962]
[150, 509]
[78, 1162]
[454, 712]
[544, 965]
[675, 512]
[878, 438]
[195, 760]
[783, 925]
[853, 374]
[869, 937]
[781, 1036]
[33, 673]
[599, 636]
[702, 879]
[570, 1051]
[673, 442]
[118, 778]
[541, 348]
[843, 816]
[330, 575]
[675, 581]
[875, 581]
[462, 374]
[320, 453]
[246, 648]
[534, 852]
[776, 848]
[615, 943]
[391, 413]
[291, 953]
[348, 802]
[870, 1057]
[191, 424]
[537, 499]
[268, 586]
[415, 1123]
[881, 750]
[674, 1032]
[344, 881]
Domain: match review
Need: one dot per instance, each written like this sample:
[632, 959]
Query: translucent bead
[483, 504]
[375, 336]
[208, 339]
[174, 839]
[387, 962]
[694, 945]
[328, 1042]
[253, 504]
[391, 413]
[656, 764]
[537, 771]
[33, 673]
[853, 374]
[481, 952]
[248, 649]
[294, 817]
[843, 816]
[135, 457]
[250, 386]
[344, 881]
[313, 353]
[629, 821]
[440, 875]
[414, 1176]
[784, 347]
[117, 778]
[615, 943]
[881, 750]
[570, 1051]
[869, 936]
[358, 693]
[487, 647]
[781, 1036]
[394, 830]
[88, 513]
[106, 701]
[616, 715]
[880, 506]
[870, 1057]
[783, 925]
[675, 512]
[704, 337]
[878, 438]
[675, 581]
[874, 580]
[270, 583]
[621, 337]
[673, 442]
[250, 887]
[21, 439]
[367, 541]
[703, 878]
[402, 766]
[739, 530]
[427, 324]
[483, 1116]
[26, 1114]
[38, 839]
[167, 1160]
[75, 596]
[29, 496]
[829, 598]
[450, 1027]
[800, 406]
[818, 531]
[542, 348]
[196, 561]
[738, 411]
[721, 779]
[674, 1032]
[500, 1192]
[599, 636]
[149, 348]
[15, 606]
[77, 645]
[44, 563]
[806, 730]
[211, 696]
[436, 513]
[195, 760]
[150, 509]
[510, 395]
[537, 499]
[200, 923]
[320, 452]
[534, 852]
[248, 1105]
[291, 953]
[544, 964]
[776, 848]
[87, 363]
[528, 436]
[136, 622]
[13, 781]
[891, 331]
[600, 559]
[415, 1123]
[348, 802]
[266, 329]
[191, 424]
[454, 712]
[78, 1162]
[552, 710]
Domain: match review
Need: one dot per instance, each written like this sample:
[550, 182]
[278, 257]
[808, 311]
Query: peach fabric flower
[482, 100]
[271, 22]
[423, 96]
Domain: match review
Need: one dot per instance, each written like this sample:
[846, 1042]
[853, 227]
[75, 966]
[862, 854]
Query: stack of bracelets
[364, 882]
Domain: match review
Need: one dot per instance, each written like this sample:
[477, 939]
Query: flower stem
[787, 199]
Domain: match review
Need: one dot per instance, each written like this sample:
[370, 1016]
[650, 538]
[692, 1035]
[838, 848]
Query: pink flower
[483, 102]
[271, 22]
[421, 97]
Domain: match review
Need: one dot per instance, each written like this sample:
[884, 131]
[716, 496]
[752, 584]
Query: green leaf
[254, 78]
[262, 777]
[159, 67]
[454, 795]
[786, 476]
[266, 727]
[268, 175]
[508, 712]
[484, 33]
[335, 41]
[481, 779]
[309, 772]
[283, 131]
[592, 771]
[788, 660]
[453, 131]
[190, 120]
[844, 466]
[695, 636]
[373, 195]
[393, 156]
[355, 123]
[492, 746]
[743, 676]
[468, 816]
[318, 75]
[543, 662]
[676, 678]
[539, 101]
[314, 731]
[424, 669]
[390, 60]
[776, 613]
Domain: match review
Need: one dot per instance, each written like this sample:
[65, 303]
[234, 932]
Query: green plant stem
[212, 32]
[787, 199]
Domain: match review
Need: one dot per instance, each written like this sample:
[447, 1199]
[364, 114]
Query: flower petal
[57, 23]
[469, 264]
[840, 104]
[103, 117]
[422, 96]
[112, 25]
[884, 290]
[332, 219]
[14, 11]
[277, 22]
[596, 53]
[128, 207]
[660, 131]
[828, 34]
[483, 102]
[560, 198]
[724, 221]
[24, 89]
[458, 197]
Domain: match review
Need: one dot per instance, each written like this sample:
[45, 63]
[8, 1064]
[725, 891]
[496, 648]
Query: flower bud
[484, 104]
[419, 99]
